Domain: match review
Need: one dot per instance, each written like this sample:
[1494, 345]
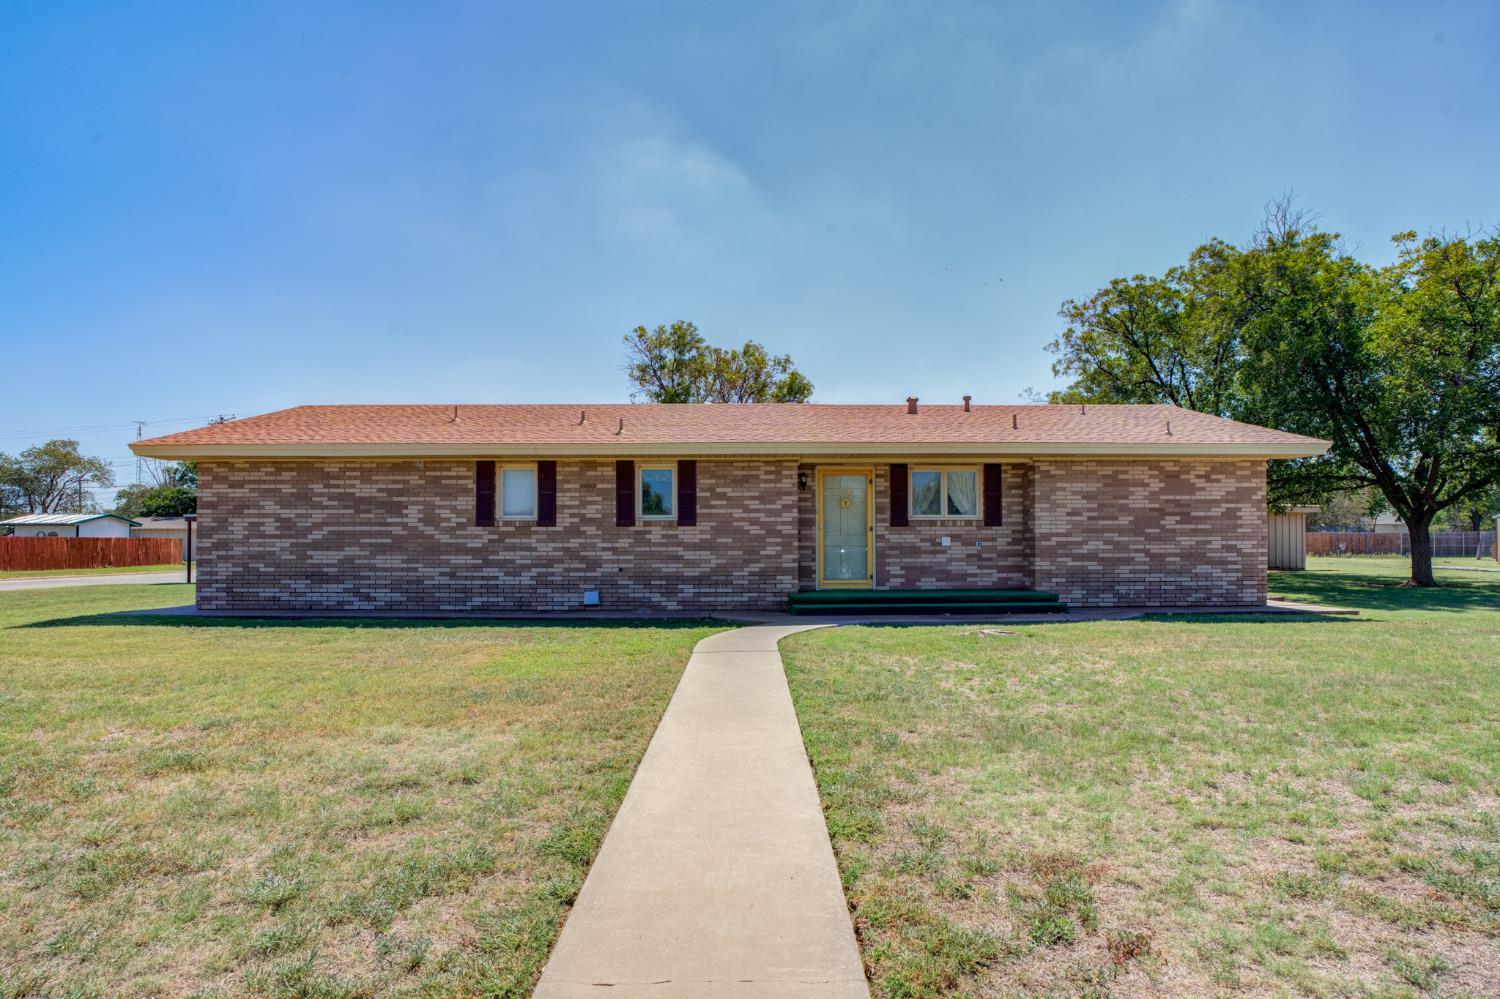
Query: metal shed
[1286, 541]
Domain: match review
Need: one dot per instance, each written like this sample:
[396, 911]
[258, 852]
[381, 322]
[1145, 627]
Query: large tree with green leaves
[676, 364]
[52, 478]
[1154, 339]
[173, 493]
[1398, 366]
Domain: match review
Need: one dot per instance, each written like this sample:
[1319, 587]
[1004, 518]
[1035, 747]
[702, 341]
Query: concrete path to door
[717, 877]
[97, 579]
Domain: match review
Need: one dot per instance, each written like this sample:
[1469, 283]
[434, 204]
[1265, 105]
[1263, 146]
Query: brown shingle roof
[755, 428]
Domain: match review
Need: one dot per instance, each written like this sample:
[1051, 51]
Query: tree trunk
[1420, 528]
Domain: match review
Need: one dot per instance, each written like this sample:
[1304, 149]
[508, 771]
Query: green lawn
[304, 809]
[1173, 806]
[104, 571]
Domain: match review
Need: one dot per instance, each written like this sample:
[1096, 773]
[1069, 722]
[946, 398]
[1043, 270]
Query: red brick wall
[976, 557]
[1158, 533]
[807, 528]
[914, 557]
[400, 535]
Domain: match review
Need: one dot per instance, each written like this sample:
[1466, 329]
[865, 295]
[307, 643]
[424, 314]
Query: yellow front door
[846, 556]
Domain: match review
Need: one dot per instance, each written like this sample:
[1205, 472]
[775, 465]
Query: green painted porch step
[925, 602]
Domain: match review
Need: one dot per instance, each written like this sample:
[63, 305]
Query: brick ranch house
[695, 508]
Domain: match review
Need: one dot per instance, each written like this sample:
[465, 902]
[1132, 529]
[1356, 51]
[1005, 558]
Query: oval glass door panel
[846, 528]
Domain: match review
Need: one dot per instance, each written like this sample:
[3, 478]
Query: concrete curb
[97, 579]
[747, 618]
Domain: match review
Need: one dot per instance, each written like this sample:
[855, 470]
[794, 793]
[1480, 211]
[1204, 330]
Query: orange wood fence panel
[86, 553]
[1353, 543]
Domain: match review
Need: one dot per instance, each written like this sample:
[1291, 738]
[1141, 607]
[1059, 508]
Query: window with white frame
[656, 496]
[518, 492]
[944, 493]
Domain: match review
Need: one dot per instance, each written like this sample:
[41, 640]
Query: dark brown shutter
[625, 494]
[484, 494]
[687, 493]
[546, 494]
[900, 506]
[992, 492]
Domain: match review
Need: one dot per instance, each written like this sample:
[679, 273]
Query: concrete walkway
[1270, 608]
[717, 876]
[97, 579]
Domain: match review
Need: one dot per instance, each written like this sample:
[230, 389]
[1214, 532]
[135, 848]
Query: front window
[657, 493]
[926, 494]
[961, 493]
[518, 492]
[945, 493]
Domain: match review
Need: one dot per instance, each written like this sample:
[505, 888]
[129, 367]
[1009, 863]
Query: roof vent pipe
[911, 404]
[967, 399]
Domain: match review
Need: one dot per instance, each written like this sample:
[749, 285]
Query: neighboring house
[162, 527]
[1388, 523]
[69, 525]
[724, 507]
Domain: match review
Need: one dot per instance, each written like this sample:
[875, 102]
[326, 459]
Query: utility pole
[140, 426]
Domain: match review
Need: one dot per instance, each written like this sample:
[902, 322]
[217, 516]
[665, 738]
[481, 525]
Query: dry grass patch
[303, 809]
[1171, 807]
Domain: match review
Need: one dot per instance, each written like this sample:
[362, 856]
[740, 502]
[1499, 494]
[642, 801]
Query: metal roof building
[69, 525]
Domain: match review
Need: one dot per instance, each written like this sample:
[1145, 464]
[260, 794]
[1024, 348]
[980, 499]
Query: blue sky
[230, 208]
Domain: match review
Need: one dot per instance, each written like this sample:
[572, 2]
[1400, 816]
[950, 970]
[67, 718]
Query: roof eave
[1292, 448]
[26, 520]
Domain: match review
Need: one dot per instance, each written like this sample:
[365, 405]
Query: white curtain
[962, 494]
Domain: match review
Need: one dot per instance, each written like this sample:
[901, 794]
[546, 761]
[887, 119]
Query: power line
[102, 427]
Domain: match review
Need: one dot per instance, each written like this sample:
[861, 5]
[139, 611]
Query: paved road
[717, 877]
[99, 579]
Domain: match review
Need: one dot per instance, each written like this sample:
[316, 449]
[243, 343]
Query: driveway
[717, 876]
[98, 579]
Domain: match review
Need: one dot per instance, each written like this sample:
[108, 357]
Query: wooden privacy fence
[1466, 544]
[86, 553]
